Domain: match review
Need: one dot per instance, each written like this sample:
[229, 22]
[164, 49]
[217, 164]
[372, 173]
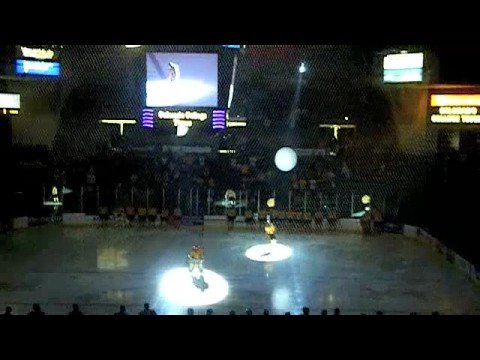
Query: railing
[199, 201]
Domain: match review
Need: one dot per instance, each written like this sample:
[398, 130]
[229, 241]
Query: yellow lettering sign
[181, 115]
[455, 119]
[40, 54]
[471, 119]
[447, 110]
[446, 119]
[177, 122]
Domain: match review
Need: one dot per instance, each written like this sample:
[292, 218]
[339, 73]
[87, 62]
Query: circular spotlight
[178, 286]
[269, 252]
[286, 159]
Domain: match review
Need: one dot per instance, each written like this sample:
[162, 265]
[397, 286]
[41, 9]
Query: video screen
[403, 68]
[182, 80]
[34, 67]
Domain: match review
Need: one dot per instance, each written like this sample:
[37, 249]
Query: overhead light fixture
[226, 151]
[132, 46]
[302, 68]
[120, 122]
[182, 130]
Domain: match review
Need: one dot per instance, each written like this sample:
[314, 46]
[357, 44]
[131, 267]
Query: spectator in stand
[377, 221]
[248, 312]
[36, 310]
[266, 312]
[147, 311]
[366, 223]
[345, 170]
[190, 312]
[8, 311]
[306, 311]
[336, 311]
[332, 219]
[231, 216]
[324, 312]
[177, 217]
[303, 184]
[123, 311]
[75, 310]
[209, 312]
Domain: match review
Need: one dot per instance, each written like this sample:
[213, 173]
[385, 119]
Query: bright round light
[366, 199]
[286, 159]
[177, 287]
[269, 252]
[271, 203]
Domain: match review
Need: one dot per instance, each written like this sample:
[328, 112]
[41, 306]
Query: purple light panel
[148, 118]
[219, 120]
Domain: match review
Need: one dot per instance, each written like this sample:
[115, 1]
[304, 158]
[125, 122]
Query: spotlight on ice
[286, 159]
[178, 287]
[272, 252]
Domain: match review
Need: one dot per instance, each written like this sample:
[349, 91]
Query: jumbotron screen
[182, 80]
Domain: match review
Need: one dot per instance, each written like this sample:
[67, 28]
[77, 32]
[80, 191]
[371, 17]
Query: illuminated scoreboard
[455, 109]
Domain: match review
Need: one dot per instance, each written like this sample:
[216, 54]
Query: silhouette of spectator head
[123, 310]
[232, 312]
[190, 311]
[146, 306]
[36, 310]
[209, 312]
[324, 312]
[413, 313]
[249, 312]
[76, 308]
[379, 312]
[266, 312]
[288, 313]
[435, 313]
[306, 311]
[336, 311]
[8, 310]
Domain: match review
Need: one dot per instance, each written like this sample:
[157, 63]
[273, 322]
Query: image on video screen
[182, 80]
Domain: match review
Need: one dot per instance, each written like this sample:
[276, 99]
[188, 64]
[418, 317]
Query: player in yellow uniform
[270, 230]
[195, 259]
[55, 195]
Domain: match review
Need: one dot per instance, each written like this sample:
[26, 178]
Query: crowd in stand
[174, 170]
[147, 311]
[115, 178]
